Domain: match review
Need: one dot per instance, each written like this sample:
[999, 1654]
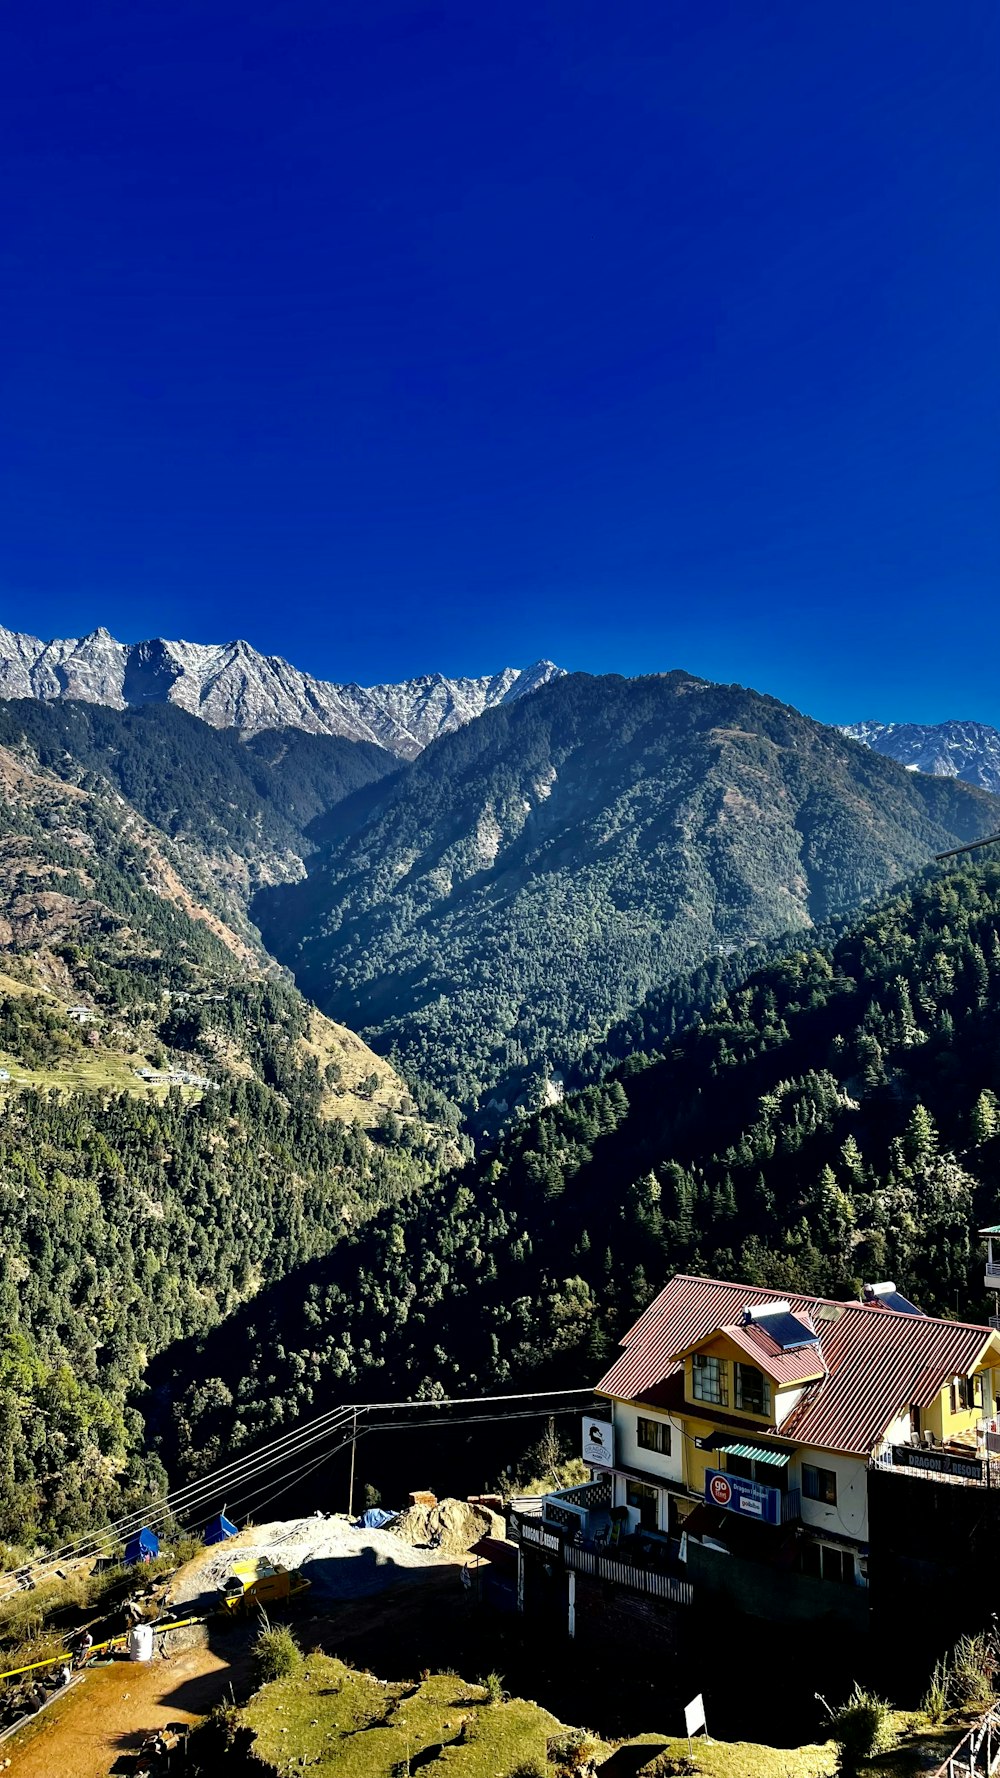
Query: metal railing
[977, 1754]
[625, 1573]
[621, 1570]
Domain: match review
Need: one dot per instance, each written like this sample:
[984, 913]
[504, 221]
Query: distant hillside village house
[781, 1451]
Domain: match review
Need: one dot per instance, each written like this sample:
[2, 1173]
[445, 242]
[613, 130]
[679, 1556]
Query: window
[653, 1435]
[753, 1391]
[647, 1501]
[770, 1475]
[809, 1560]
[966, 1393]
[819, 1484]
[838, 1565]
[827, 1561]
[708, 1379]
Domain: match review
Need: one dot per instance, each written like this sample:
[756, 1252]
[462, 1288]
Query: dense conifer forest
[128, 1226]
[834, 1119]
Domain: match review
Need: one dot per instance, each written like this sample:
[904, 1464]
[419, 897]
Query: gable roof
[877, 1366]
[799, 1365]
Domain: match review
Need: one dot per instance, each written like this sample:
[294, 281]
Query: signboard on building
[969, 1469]
[598, 1442]
[737, 1495]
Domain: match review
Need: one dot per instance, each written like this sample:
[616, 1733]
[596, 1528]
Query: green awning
[758, 1454]
[994, 1229]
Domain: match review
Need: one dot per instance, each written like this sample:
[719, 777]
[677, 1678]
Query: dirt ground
[114, 1707]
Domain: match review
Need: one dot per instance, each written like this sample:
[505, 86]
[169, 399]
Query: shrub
[276, 1653]
[492, 1684]
[861, 1728]
[935, 1700]
[572, 1751]
[973, 1671]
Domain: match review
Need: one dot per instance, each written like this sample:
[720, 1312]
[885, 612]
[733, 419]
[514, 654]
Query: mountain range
[966, 750]
[576, 886]
[487, 913]
[230, 685]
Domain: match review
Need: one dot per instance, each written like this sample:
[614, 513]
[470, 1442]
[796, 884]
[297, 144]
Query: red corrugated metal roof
[799, 1365]
[878, 1366]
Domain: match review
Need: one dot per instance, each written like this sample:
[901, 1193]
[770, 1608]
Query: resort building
[740, 1437]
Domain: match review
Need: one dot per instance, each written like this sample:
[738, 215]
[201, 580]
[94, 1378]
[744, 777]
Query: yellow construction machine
[258, 1585]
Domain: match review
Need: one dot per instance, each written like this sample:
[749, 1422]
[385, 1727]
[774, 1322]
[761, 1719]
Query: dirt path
[114, 1707]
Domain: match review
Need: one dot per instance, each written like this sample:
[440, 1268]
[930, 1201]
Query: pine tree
[920, 1138]
[985, 1119]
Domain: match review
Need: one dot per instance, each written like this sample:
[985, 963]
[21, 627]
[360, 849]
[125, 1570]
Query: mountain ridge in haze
[231, 685]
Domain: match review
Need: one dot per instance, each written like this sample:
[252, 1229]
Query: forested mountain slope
[834, 1120]
[527, 881]
[238, 811]
[135, 1212]
[97, 912]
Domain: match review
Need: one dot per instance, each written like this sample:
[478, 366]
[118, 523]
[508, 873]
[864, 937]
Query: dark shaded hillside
[836, 1119]
[206, 786]
[529, 879]
[127, 1225]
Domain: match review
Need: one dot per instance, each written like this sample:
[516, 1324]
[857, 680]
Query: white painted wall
[784, 1401]
[629, 1451]
[849, 1518]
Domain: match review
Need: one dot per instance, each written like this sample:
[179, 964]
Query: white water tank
[140, 1643]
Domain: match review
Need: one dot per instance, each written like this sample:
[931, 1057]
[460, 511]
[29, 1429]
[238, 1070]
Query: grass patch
[737, 1759]
[339, 1723]
[344, 1724]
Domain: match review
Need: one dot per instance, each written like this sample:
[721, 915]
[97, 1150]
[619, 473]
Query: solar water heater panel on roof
[787, 1331]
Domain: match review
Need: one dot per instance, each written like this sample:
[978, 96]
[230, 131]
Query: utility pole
[354, 1441]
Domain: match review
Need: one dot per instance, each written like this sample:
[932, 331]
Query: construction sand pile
[338, 1561]
[451, 1527]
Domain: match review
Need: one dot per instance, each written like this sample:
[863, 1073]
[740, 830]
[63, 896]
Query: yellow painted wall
[939, 1419]
[730, 1355]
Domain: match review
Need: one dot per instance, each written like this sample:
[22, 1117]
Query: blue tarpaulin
[374, 1519]
[219, 1528]
[142, 1547]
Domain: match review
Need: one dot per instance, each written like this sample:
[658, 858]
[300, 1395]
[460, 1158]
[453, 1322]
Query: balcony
[992, 1279]
[625, 1568]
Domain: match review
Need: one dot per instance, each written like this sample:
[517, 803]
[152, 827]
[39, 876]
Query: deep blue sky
[400, 336]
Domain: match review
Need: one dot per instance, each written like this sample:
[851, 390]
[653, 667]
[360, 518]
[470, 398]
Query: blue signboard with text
[736, 1495]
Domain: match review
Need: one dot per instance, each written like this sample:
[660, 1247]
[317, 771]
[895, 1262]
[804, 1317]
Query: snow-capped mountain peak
[231, 685]
[957, 749]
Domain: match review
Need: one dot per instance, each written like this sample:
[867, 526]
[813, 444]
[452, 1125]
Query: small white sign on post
[694, 1717]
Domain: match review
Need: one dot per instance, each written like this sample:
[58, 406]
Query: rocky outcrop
[230, 685]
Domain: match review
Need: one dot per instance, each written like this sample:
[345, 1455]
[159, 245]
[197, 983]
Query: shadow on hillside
[627, 1761]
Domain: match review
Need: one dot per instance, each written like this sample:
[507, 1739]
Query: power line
[186, 1499]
